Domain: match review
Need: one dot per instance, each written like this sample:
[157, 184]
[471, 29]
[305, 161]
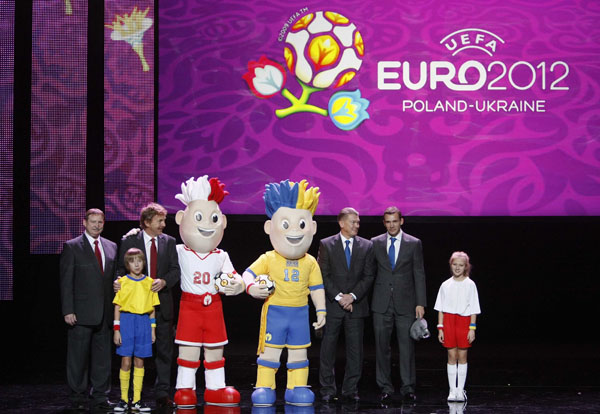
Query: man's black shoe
[327, 398]
[409, 397]
[352, 397]
[105, 405]
[385, 398]
[165, 402]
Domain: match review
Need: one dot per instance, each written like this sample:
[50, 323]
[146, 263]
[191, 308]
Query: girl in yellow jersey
[134, 327]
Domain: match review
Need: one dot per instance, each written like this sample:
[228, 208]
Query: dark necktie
[98, 255]
[153, 259]
[347, 251]
[392, 252]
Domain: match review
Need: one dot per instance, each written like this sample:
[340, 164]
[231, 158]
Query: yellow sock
[138, 381]
[297, 377]
[124, 377]
[265, 377]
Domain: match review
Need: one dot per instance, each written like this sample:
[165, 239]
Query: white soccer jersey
[199, 269]
[460, 298]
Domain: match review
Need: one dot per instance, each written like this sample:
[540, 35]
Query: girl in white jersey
[457, 304]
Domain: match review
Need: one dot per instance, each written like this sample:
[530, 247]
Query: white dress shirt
[148, 246]
[397, 244]
[92, 240]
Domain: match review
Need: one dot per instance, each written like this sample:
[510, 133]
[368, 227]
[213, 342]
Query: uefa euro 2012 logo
[323, 50]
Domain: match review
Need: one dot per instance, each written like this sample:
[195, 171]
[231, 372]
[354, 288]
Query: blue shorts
[136, 335]
[287, 327]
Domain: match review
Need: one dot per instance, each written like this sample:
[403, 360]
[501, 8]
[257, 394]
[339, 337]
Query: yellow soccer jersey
[293, 278]
[135, 295]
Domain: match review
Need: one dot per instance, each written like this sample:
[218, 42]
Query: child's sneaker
[122, 406]
[461, 395]
[452, 396]
[140, 406]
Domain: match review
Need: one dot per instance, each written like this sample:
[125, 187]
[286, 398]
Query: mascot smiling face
[201, 224]
[291, 227]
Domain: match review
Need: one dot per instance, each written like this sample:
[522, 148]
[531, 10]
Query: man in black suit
[346, 262]
[87, 268]
[398, 298]
[162, 265]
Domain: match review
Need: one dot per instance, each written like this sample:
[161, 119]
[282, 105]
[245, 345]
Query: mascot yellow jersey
[293, 278]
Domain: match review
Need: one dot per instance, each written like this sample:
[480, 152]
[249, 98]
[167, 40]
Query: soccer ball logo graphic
[223, 279]
[323, 50]
[265, 280]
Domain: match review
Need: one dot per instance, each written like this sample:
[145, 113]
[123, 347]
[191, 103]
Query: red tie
[153, 259]
[98, 255]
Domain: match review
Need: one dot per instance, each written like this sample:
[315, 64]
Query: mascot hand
[320, 321]
[132, 232]
[235, 287]
[258, 291]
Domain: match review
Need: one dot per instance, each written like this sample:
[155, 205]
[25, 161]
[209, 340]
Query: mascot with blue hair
[284, 319]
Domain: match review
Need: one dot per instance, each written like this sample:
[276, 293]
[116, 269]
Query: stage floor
[521, 379]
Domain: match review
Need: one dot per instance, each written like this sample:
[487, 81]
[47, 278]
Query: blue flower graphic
[347, 109]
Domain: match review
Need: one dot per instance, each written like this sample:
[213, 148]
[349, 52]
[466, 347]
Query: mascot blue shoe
[301, 396]
[263, 397]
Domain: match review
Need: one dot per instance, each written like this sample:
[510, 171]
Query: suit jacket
[338, 278]
[85, 290]
[167, 266]
[405, 282]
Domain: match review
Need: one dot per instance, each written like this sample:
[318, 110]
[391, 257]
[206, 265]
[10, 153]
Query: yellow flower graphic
[336, 18]
[303, 22]
[131, 28]
[323, 51]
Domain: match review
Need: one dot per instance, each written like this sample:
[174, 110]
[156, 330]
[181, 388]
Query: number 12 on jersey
[295, 277]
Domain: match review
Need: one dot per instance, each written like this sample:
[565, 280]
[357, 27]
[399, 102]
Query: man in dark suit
[346, 262]
[162, 265]
[398, 298]
[87, 268]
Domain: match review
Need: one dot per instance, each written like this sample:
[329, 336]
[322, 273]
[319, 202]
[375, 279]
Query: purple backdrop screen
[7, 65]
[128, 107]
[58, 123]
[463, 108]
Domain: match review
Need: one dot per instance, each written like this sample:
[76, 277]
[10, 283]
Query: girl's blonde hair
[464, 256]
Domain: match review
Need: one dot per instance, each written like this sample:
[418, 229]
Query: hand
[158, 285]
[153, 335]
[133, 232]
[117, 338]
[235, 287]
[419, 312]
[71, 319]
[348, 308]
[320, 321]
[471, 336]
[441, 336]
[116, 285]
[258, 291]
[345, 300]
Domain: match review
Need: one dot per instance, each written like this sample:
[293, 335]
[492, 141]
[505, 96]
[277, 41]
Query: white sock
[214, 378]
[186, 377]
[452, 377]
[462, 376]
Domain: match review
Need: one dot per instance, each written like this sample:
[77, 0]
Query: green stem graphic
[300, 105]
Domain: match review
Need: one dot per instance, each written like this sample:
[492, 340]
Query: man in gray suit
[398, 298]
[162, 264]
[346, 262]
[87, 268]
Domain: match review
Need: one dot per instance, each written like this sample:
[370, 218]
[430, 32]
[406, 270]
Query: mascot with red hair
[201, 322]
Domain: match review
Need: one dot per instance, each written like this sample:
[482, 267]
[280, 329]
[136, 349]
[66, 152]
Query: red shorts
[200, 325]
[456, 329]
